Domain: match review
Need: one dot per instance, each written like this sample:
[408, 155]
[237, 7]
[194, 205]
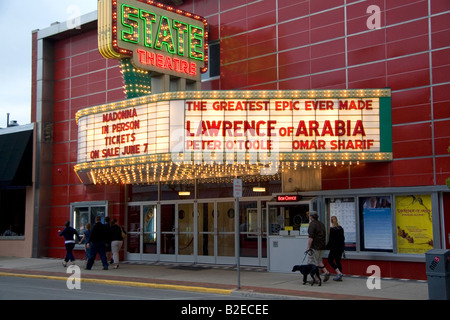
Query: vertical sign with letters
[158, 38]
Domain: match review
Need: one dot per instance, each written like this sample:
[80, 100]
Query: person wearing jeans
[97, 244]
[69, 234]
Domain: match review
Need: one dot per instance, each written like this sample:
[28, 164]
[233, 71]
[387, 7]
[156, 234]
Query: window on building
[12, 212]
[175, 191]
[146, 192]
[86, 212]
[213, 61]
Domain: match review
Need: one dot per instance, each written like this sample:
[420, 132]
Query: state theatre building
[150, 113]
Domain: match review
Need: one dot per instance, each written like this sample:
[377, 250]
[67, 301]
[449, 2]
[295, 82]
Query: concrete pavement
[219, 279]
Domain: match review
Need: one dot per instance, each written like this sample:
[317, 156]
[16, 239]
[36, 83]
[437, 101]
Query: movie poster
[414, 224]
[377, 223]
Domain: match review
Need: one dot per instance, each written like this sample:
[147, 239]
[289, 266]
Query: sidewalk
[219, 280]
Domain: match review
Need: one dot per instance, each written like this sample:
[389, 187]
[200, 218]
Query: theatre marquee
[217, 134]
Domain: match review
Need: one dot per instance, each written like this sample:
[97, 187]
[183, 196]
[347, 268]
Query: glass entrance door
[168, 232]
[253, 232]
[202, 232]
[177, 232]
[215, 232]
[141, 229]
[133, 242]
[185, 232]
[206, 227]
[149, 229]
[225, 233]
[164, 232]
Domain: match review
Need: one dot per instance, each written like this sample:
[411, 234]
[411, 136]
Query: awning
[16, 149]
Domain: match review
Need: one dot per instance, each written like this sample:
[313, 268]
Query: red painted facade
[290, 44]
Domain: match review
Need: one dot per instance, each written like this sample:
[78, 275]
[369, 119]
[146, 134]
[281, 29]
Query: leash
[307, 252]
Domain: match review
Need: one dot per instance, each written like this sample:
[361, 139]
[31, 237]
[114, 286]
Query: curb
[125, 283]
[247, 291]
[269, 296]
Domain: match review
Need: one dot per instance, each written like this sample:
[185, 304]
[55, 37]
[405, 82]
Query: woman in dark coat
[117, 238]
[336, 244]
[69, 234]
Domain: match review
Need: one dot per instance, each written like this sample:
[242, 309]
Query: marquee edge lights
[237, 94]
[159, 168]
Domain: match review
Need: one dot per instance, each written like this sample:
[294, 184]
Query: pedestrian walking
[316, 243]
[117, 238]
[99, 236]
[336, 245]
[108, 240]
[69, 235]
[85, 240]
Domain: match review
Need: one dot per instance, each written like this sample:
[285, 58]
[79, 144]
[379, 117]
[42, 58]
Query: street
[176, 303]
[17, 288]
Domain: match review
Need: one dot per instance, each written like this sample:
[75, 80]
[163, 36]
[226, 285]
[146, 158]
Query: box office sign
[157, 37]
[217, 126]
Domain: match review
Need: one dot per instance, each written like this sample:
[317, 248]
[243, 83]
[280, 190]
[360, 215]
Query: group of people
[104, 239]
[316, 245]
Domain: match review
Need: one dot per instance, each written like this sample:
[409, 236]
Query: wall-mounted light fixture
[259, 189]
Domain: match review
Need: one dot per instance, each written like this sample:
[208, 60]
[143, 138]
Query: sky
[17, 21]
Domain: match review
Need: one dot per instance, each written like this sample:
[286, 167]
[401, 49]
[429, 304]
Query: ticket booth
[288, 218]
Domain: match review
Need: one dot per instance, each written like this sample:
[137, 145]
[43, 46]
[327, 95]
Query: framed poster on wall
[414, 223]
[376, 223]
[344, 210]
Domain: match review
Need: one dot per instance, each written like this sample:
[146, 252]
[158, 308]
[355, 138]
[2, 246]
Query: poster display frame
[394, 249]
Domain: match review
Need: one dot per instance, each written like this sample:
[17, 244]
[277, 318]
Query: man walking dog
[316, 243]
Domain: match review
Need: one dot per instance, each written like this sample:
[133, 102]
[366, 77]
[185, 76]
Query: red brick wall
[83, 78]
[289, 44]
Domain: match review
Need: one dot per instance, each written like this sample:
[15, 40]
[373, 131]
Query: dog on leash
[310, 269]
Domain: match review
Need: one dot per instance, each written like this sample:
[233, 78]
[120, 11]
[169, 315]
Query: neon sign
[288, 198]
[167, 63]
[156, 37]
